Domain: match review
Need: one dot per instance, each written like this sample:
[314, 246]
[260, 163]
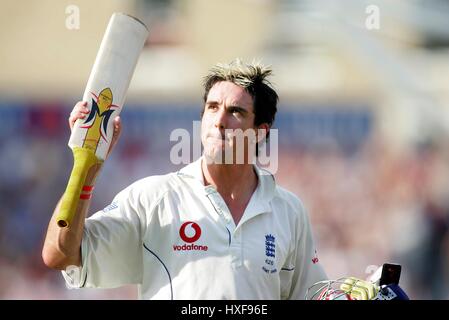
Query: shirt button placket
[236, 249]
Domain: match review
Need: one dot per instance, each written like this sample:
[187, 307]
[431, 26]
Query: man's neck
[233, 182]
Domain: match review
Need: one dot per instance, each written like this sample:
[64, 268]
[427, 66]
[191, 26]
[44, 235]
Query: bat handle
[84, 159]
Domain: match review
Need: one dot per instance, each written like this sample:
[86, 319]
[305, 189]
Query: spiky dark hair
[253, 78]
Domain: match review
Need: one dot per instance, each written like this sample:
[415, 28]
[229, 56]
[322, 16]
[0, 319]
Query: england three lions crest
[270, 254]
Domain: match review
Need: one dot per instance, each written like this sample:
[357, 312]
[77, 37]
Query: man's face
[228, 107]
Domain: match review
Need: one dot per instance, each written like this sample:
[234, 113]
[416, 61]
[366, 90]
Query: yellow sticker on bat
[97, 121]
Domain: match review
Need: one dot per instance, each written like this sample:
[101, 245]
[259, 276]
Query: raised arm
[62, 246]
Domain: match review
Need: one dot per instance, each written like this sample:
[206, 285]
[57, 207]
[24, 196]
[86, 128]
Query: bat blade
[105, 93]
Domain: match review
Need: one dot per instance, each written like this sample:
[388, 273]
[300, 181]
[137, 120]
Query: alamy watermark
[72, 21]
[238, 147]
[372, 22]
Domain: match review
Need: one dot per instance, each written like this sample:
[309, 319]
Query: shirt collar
[193, 170]
[266, 182]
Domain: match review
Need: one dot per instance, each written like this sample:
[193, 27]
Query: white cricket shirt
[176, 239]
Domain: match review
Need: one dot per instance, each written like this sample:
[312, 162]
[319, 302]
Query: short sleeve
[111, 247]
[303, 268]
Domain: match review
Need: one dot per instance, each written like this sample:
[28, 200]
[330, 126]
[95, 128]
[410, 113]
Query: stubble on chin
[216, 154]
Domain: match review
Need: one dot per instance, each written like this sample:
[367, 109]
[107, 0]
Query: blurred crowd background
[363, 121]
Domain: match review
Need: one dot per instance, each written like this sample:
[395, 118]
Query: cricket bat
[105, 93]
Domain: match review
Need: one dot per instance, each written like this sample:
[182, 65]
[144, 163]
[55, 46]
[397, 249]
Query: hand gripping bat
[105, 93]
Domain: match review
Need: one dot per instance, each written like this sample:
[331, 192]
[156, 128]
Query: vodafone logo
[196, 234]
[189, 232]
